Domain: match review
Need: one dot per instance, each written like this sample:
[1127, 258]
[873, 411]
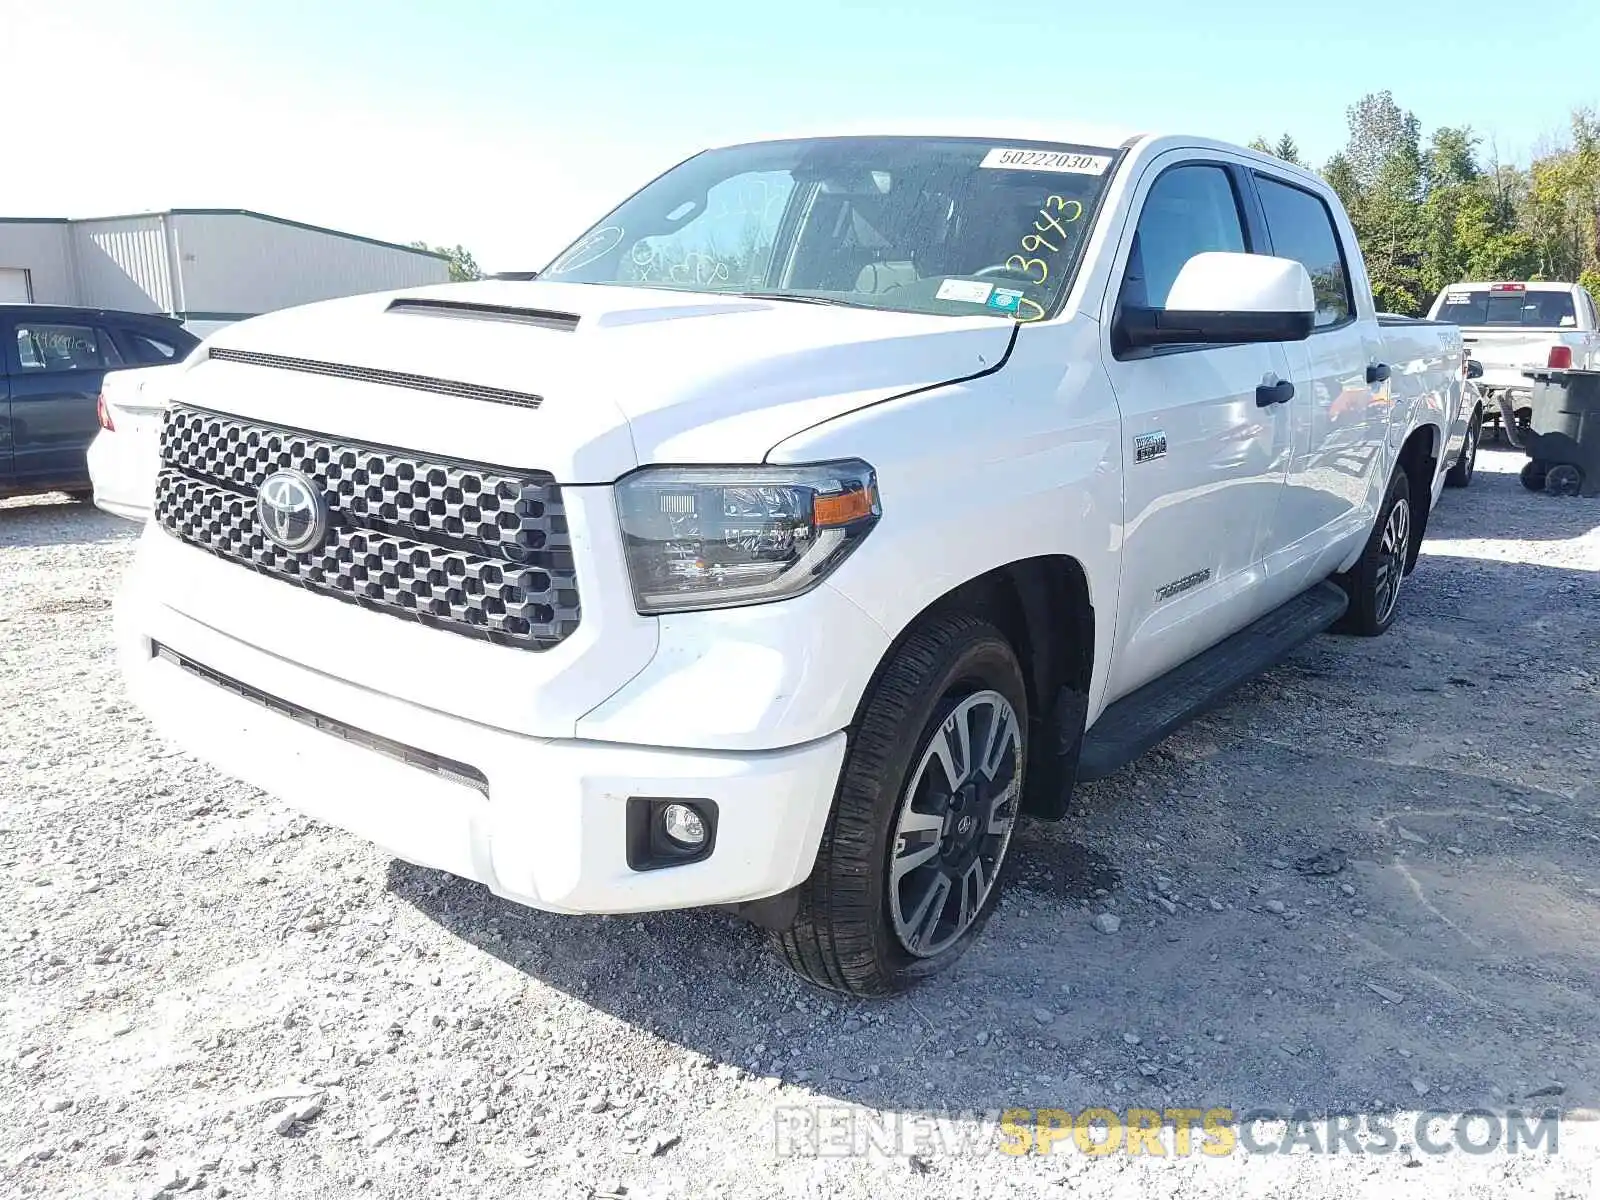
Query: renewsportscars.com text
[843, 1131]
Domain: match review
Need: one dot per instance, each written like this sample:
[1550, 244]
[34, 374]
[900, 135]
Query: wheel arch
[1419, 458]
[1043, 606]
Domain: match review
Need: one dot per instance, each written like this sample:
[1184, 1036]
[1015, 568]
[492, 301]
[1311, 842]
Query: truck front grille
[478, 550]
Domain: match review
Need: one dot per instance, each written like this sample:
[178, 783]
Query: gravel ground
[203, 991]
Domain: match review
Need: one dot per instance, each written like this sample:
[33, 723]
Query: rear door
[1203, 461]
[56, 369]
[1340, 413]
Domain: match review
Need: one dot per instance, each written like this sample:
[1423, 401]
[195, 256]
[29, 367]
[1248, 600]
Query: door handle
[1268, 394]
[1377, 372]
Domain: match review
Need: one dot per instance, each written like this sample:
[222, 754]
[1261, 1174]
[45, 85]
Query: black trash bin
[1562, 440]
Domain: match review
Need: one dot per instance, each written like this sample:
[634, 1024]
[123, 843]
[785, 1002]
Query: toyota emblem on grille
[292, 511]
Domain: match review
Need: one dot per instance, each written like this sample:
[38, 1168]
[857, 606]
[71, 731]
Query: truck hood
[623, 376]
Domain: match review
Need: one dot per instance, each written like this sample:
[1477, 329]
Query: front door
[56, 371]
[1203, 461]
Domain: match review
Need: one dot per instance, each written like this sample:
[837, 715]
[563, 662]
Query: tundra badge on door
[1147, 447]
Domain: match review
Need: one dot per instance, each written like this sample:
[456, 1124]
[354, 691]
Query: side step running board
[1137, 722]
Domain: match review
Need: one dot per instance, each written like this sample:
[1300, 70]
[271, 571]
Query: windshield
[947, 226]
[1508, 307]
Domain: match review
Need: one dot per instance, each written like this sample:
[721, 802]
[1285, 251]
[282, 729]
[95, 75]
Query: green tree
[1382, 169]
[1428, 215]
[1285, 148]
[1341, 177]
[1562, 207]
[1379, 129]
[463, 267]
[1453, 184]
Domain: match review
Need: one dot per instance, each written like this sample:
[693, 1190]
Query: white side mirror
[1243, 283]
[1228, 298]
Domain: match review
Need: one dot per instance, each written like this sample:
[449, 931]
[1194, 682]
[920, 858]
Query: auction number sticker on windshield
[1063, 161]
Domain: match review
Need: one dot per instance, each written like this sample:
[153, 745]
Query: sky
[511, 127]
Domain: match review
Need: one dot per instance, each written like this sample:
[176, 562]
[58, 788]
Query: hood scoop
[470, 310]
[418, 383]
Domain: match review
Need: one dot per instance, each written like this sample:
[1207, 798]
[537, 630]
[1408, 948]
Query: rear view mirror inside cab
[1224, 297]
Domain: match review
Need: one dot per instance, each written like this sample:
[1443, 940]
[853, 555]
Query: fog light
[670, 831]
[682, 824]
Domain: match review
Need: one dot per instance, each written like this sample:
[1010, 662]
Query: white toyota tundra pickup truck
[829, 505]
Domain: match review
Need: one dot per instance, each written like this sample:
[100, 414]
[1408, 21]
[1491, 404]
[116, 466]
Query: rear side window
[59, 348]
[1508, 307]
[1301, 228]
[150, 351]
[1190, 210]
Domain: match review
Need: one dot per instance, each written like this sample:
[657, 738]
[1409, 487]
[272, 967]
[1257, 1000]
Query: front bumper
[546, 823]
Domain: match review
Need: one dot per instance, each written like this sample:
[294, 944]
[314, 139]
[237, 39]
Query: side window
[150, 351]
[1190, 210]
[1302, 229]
[52, 348]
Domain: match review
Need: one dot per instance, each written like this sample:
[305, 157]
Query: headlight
[716, 537]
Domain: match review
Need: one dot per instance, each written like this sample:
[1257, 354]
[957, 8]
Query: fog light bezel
[648, 848]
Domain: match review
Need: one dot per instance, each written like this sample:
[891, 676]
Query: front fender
[1021, 463]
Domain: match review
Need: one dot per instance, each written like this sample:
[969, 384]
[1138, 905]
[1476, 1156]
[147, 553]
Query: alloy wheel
[956, 817]
[1392, 551]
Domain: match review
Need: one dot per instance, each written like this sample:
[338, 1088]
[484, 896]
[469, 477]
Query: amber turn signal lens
[832, 511]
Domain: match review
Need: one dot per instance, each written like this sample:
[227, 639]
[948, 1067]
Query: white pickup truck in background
[1511, 327]
[829, 505]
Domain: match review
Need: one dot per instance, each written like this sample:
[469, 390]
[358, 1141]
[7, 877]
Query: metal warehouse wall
[123, 263]
[243, 263]
[40, 247]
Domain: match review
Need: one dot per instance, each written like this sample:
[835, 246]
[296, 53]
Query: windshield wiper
[800, 298]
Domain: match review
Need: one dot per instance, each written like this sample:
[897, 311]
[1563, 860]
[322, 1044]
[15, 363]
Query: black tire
[1460, 475]
[844, 935]
[1533, 475]
[1374, 583]
[1564, 480]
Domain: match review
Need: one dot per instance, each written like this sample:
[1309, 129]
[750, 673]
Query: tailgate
[1506, 353]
